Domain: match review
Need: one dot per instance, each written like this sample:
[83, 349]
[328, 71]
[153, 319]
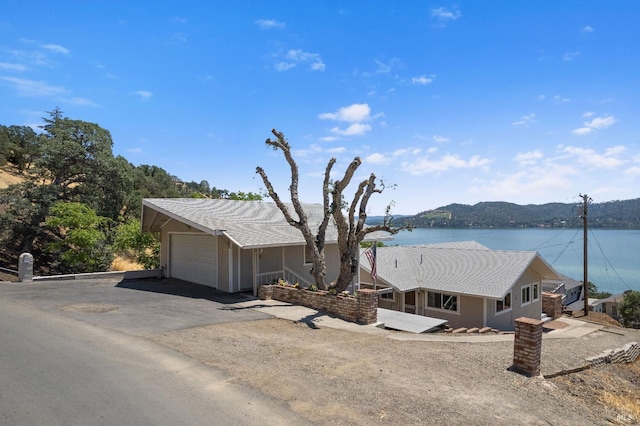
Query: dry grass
[620, 392]
[9, 176]
[124, 264]
[625, 403]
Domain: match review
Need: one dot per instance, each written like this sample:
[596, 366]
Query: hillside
[612, 214]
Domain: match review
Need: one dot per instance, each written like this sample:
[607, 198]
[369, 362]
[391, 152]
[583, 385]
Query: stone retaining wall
[361, 309]
[628, 353]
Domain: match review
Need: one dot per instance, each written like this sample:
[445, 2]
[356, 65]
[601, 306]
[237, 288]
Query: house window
[388, 296]
[504, 304]
[444, 301]
[530, 293]
[526, 295]
[308, 258]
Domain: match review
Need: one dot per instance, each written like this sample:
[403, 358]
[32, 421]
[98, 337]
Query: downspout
[254, 259]
[231, 281]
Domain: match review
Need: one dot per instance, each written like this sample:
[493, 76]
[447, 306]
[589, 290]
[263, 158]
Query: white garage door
[194, 258]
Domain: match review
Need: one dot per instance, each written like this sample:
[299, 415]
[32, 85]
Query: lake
[614, 255]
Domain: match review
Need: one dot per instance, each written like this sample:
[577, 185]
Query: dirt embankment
[335, 376]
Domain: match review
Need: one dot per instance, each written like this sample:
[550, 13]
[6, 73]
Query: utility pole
[585, 265]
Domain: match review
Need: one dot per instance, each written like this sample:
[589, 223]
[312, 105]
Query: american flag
[371, 255]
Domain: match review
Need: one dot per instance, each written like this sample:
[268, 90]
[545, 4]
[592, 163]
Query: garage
[194, 258]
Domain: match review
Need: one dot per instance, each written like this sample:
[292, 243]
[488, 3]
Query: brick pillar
[527, 346]
[265, 292]
[552, 304]
[367, 306]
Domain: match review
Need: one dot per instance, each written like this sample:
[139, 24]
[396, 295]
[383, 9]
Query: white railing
[269, 277]
[293, 278]
[286, 274]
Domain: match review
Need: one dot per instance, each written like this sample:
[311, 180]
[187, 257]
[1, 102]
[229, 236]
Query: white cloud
[377, 158]
[267, 24]
[294, 57]
[587, 29]
[540, 98]
[336, 150]
[328, 138]
[386, 68]
[529, 158]
[440, 139]
[181, 37]
[601, 122]
[582, 131]
[559, 99]
[447, 162]
[595, 124]
[355, 129]
[444, 15]
[542, 182]
[352, 113]
[34, 88]
[525, 120]
[588, 114]
[12, 67]
[143, 94]
[588, 157]
[283, 66]
[56, 48]
[570, 56]
[405, 151]
[81, 101]
[632, 171]
[134, 150]
[422, 80]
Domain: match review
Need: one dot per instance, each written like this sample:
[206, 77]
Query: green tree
[132, 243]
[81, 241]
[20, 146]
[630, 309]
[595, 294]
[75, 164]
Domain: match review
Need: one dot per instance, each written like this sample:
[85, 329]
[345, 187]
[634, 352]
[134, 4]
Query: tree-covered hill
[612, 214]
[74, 205]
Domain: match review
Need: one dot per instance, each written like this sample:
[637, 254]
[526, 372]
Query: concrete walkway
[566, 328]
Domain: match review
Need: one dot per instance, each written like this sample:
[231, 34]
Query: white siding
[194, 258]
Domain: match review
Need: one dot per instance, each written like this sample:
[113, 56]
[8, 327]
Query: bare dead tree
[351, 227]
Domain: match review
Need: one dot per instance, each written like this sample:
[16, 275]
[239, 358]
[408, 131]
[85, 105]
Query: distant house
[570, 289]
[465, 283]
[234, 245]
[609, 305]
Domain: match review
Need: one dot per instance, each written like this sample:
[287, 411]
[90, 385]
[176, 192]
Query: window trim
[527, 289]
[306, 252]
[442, 294]
[389, 299]
[509, 309]
[531, 290]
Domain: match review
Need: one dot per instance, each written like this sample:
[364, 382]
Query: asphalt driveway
[135, 307]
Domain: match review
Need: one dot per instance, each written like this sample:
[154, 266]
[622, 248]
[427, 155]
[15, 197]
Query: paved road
[56, 369]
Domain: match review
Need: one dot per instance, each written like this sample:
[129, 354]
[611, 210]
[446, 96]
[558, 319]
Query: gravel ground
[342, 377]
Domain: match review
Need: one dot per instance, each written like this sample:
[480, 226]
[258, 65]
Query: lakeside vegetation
[623, 214]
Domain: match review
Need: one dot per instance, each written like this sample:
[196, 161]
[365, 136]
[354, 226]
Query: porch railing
[285, 274]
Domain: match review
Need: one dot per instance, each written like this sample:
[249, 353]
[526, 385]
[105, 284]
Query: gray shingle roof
[463, 268]
[251, 224]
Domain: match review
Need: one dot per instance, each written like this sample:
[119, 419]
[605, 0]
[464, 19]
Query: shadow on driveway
[185, 289]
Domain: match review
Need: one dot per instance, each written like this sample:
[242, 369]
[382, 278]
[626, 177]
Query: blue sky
[526, 102]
